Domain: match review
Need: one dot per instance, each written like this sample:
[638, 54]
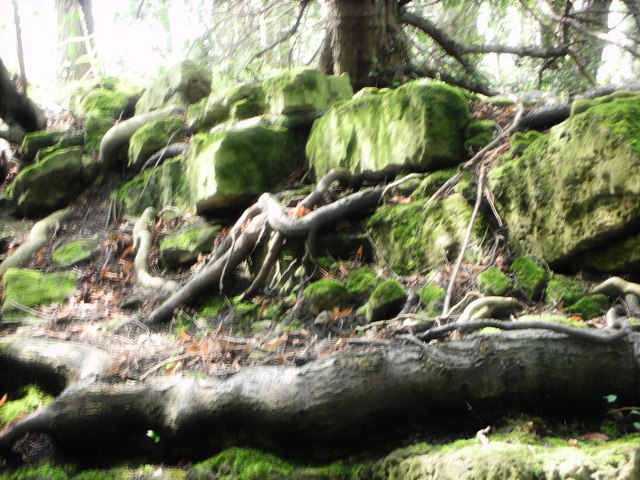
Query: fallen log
[339, 403]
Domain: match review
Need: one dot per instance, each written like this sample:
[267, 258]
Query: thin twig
[465, 243]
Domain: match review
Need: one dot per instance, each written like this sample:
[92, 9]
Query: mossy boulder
[386, 301]
[479, 133]
[102, 102]
[94, 129]
[153, 136]
[325, 294]
[184, 246]
[574, 189]
[412, 237]
[291, 92]
[182, 85]
[67, 141]
[590, 306]
[76, 252]
[432, 182]
[53, 182]
[562, 288]
[231, 166]
[493, 282]
[520, 141]
[419, 126]
[157, 187]
[581, 105]
[31, 288]
[431, 299]
[361, 282]
[530, 277]
[620, 256]
[34, 141]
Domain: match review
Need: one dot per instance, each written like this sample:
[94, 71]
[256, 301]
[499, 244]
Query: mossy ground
[31, 288]
[75, 252]
[23, 402]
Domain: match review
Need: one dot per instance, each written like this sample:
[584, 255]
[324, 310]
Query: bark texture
[362, 39]
[341, 402]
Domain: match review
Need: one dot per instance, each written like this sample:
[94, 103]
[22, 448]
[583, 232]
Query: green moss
[325, 294]
[95, 128]
[423, 129]
[530, 277]
[561, 288]
[42, 471]
[251, 464]
[553, 318]
[23, 402]
[479, 133]
[385, 301]
[432, 183]
[413, 238]
[75, 252]
[153, 136]
[103, 102]
[581, 105]
[242, 464]
[430, 297]
[35, 141]
[557, 208]
[30, 288]
[590, 306]
[520, 141]
[185, 246]
[361, 281]
[494, 282]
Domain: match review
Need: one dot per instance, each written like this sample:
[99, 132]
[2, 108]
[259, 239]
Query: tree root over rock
[37, 239]
[336, 404]
[256, 223]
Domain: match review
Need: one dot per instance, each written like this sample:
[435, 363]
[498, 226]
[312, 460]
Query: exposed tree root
[119, 134]
[37, 239]
[487, 307]
[617, 287]
[54, 363]
[142, 241]
[255, 224]
[340, 402]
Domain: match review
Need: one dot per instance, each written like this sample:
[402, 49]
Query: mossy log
[37, 239]
[339, 403]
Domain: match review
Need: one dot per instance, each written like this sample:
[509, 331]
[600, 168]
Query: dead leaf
[3, 400]
[127, 252]
[275, 342]
[573, 442]
[184, 336]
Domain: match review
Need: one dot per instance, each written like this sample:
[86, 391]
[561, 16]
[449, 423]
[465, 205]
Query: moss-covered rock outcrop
[414, 238]
[295, 91]
[419, 126]
[182, 84]
[574, 189]
[152, 137]
[53, 182]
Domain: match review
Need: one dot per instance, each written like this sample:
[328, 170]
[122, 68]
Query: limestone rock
[185, 246]
[385, 301]
[411, 237]
[53, 182]
[183, 84]
[152, 137]
[325, 294]
[419, 126]
[576, 188]
[296, 91]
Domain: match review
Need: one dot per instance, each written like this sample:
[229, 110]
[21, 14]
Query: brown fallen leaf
[594, 437]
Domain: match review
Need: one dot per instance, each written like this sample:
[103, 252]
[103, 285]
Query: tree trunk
[363, 39]
[17, 110]
[340, 403]
[74, 30]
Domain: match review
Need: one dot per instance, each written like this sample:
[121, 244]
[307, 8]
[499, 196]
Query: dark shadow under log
[339, 403]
